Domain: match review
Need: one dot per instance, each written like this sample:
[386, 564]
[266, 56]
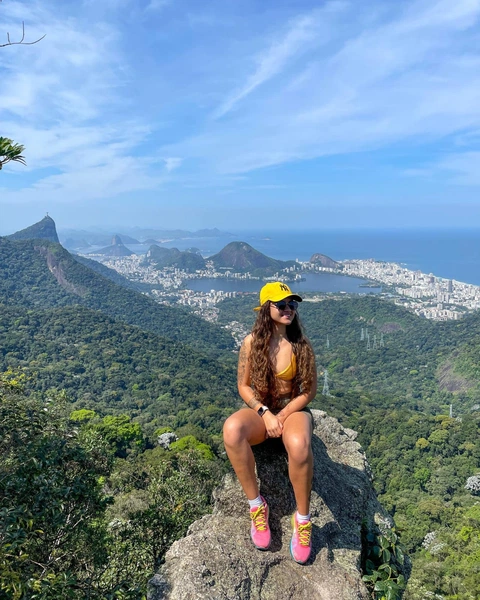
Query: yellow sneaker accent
[259, 518]
[259, 530]
[301, 544]
[304, 533]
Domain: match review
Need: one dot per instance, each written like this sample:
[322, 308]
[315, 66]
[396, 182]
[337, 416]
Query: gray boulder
[473, 484]
[217, 561]
[165, 439]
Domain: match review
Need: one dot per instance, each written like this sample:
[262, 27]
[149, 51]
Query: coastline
[426, 295]
[451, 253]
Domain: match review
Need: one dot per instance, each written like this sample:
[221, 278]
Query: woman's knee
[299, 448]
[242, 426]
[235, 430]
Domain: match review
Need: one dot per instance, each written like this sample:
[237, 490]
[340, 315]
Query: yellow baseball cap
[276, 291]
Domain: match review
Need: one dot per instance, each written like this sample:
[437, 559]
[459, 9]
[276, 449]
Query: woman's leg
[297, 439]
[242, 430]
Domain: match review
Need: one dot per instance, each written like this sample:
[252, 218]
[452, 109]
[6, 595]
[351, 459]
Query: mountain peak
[117, 248]
[240, 256]
[172, 257]
[44, 230]
[324, 261]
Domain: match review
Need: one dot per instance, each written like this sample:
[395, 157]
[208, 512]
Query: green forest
[93, 372]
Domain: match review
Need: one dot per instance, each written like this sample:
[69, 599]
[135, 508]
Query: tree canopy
[10, 152]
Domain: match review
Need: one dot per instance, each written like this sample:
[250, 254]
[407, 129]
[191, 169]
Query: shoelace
[259, 519]
[304, 532]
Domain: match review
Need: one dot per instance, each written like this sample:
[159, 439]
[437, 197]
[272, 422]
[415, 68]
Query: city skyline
[242, 114]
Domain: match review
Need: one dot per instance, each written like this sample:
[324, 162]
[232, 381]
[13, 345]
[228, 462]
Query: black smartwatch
[262, 410]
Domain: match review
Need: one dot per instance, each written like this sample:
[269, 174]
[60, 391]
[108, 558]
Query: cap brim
[293, 296]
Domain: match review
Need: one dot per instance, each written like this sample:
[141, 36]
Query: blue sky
[238, 114]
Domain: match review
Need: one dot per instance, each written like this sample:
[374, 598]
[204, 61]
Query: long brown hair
[262, 371]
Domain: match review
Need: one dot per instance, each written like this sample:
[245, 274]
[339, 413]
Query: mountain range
[80, 239]
[235, 256]
[410, 387]
[69, 322]
[37, 273]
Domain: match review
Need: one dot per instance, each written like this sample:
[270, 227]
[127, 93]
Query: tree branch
[22, 39]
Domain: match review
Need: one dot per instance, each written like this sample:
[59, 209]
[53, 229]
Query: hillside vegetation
[420, 364]
[113, 367]
[83, 509]
[93, 372]
[40, 274]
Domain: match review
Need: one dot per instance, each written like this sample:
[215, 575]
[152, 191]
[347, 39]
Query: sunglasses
[282, 304]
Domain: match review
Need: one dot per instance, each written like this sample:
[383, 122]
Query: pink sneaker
[301, 544]
[260, 531]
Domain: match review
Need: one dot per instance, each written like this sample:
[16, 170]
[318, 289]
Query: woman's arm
[273, 425]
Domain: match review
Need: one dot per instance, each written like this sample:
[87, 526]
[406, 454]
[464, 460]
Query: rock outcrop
[117, 248]
[240, 256]
[216, 560]
[166, 439]
[43, 230]
[172, 257]
[324, 261]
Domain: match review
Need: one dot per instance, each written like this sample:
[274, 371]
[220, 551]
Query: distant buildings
[426, 295]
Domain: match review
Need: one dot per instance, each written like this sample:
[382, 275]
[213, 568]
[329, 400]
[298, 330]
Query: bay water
[447, 253]
[313, 282]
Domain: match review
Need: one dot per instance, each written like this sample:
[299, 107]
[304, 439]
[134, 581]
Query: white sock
[258, 501]
[303, 518]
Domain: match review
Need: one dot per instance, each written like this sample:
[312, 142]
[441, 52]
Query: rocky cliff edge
[216, 560]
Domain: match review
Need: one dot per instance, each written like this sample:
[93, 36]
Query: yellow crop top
[289, 373]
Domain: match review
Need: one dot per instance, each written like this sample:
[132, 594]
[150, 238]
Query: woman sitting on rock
[276, 380]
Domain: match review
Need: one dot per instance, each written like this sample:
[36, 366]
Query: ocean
[451, 254]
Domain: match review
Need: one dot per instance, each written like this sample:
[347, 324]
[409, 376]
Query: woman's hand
[281, 416]
[272, 425]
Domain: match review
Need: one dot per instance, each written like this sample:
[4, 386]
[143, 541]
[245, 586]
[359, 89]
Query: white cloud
[123, 103]
[61, 100]
[109, 180]
[409, 74]
[274, 59]
[155, 5]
